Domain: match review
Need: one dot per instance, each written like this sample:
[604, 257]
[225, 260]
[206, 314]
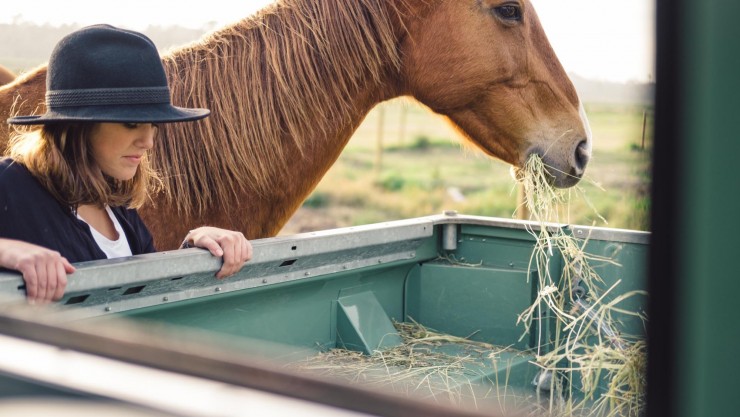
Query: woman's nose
[146, 140]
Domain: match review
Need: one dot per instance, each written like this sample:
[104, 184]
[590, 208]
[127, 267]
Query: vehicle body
[466, 276]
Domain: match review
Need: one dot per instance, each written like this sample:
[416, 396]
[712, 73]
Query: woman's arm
[233, 246]
[44, 270]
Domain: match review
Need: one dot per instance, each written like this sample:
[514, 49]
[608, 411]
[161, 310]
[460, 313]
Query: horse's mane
[274, 82]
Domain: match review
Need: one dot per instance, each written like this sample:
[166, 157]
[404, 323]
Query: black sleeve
[29, 213]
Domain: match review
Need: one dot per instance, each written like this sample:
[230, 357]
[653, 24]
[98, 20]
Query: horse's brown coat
[288, 86]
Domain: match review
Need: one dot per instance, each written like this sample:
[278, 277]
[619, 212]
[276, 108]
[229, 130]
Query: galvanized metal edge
[375, 242]
[584, 232]
[145, 280]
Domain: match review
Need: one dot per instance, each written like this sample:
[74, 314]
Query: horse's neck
[375, 82]
[285, 128]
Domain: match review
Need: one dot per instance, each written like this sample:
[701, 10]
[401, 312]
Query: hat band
[107, 96]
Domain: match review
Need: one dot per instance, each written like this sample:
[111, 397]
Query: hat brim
[139, 113]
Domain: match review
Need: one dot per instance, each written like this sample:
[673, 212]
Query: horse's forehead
[476, 22]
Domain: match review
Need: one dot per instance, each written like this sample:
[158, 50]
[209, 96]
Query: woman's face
[118, 148]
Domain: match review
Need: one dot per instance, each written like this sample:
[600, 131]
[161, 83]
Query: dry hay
[422, 367]
[587, 350]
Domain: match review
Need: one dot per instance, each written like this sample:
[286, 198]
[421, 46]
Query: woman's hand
[44, 270]
[233, 246]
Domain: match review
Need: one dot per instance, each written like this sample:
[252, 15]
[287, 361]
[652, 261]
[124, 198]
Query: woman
[70, 189]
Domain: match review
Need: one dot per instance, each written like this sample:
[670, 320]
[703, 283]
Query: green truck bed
[323, 307]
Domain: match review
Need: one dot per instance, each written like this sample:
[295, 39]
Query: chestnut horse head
[288, 86]
[488, 66]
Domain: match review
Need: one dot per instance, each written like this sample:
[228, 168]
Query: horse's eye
[509, 12]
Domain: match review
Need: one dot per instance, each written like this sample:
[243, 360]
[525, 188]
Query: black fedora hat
[105, 74]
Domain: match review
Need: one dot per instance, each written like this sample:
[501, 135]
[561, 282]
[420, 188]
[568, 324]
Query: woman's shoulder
[8, 163]
[13, 173]
[19, 185]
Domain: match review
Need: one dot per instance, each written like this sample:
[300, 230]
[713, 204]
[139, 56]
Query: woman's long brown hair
[59, 156]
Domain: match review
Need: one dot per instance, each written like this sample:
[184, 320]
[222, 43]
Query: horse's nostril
[583, 154]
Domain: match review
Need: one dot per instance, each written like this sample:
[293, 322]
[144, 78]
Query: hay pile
[587, 350]
[423, 367]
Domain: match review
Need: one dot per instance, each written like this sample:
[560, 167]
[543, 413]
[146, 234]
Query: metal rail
[117, 285]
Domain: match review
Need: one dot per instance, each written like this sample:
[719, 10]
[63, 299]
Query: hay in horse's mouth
[541, 195]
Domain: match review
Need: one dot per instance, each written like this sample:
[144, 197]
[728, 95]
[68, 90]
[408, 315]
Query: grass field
[425, 168]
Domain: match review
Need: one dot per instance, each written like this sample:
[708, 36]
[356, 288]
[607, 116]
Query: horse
[288, 85]
[6, 75]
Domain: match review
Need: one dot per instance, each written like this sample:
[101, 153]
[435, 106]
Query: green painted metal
[298, 314]
[363, 325]
[463, 276]
[707, 280]
[476, 301]
[623, 271]
[477, 291]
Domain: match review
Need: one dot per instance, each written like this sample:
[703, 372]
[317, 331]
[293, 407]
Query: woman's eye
[509, 12]
[131, 125]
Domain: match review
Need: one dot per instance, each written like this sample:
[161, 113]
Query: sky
[600, 39]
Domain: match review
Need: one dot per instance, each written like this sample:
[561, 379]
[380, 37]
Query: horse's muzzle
[565, 169]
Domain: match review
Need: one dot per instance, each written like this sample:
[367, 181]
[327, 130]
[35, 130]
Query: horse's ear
[6, 75]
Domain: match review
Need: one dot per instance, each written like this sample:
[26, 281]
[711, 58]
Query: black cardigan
[28, 212]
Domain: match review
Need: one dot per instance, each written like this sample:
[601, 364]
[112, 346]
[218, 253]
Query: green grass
[424, 157]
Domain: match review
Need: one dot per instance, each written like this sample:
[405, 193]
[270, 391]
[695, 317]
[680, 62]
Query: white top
[112, 248]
